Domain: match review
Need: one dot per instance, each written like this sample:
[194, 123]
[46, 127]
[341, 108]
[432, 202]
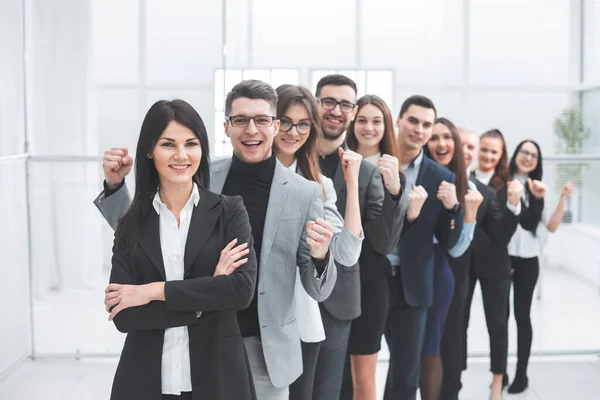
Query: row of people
[348, 232]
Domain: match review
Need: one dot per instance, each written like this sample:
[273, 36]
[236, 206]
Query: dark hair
[335, 80]
[531, 217]
[146, 176]
[457, 164]
[308, 161]
[501, 176]
[417, 100]
[251, 89]
[388, 144]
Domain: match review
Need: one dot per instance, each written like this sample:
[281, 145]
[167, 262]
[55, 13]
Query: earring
[149, 156]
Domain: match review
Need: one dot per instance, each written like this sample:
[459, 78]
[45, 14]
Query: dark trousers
[302, 388]
[524, 278]
[452, 340]
[495, 303]
[404, 333]
[332, 356]
[182, 396]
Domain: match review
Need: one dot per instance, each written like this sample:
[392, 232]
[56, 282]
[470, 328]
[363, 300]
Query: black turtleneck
[253, 183]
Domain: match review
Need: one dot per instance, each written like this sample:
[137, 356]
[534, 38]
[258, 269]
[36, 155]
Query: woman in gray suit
[296, 148]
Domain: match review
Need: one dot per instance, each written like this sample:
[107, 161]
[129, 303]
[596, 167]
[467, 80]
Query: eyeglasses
[242, 121]
[329, 103]
[303, 128]
[526, 153]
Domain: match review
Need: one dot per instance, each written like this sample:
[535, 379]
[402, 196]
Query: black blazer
[416, 244]
[496, 225]
[219, 364]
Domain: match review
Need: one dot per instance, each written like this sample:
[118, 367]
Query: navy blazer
[416, 243]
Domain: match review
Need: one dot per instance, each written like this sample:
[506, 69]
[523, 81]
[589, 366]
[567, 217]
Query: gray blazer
[293, 201]
[382, 218]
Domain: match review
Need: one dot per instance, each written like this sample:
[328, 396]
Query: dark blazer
[219, 364]
[416, 244]
[496, 225]
[382, 218]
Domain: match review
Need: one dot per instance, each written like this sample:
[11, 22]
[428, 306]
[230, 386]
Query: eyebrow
[301, 120]
[173, 140]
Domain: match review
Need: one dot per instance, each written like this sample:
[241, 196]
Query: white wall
[14, 296]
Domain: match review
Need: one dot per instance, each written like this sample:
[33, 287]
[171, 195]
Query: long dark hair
[501, 176]
[388, 143]
[308, 161]
[146, 176]
[530, 218]
[457, 164]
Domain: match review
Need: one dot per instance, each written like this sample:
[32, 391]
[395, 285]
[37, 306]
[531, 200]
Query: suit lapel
[277, 199]
[150, 243]
[204, 217]
[218, 176]
[423, 171]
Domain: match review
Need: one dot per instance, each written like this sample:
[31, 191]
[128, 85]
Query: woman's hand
[566, 190]
[473, 200]
[230, 258]
[388, 168]
[118, 297]
[537, 188]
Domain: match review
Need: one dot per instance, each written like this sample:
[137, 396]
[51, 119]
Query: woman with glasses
[183, 265]
[371, 134]
[296, 148]
[525, 246]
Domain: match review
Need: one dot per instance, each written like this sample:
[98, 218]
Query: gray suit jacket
[382, 219]
[293, 201]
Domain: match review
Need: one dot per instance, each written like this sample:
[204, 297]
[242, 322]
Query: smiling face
[441, 144]
[335, 122]
[252, 144]
[527, 158]
[490, 152]
[291, 141]
[177, 154]
[415, 127]
[369, 127]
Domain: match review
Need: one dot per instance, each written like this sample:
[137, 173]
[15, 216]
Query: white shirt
[175, 372]
[523, 243]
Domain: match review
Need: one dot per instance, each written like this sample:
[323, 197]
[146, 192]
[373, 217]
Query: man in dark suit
[432, 192]
[381, 215]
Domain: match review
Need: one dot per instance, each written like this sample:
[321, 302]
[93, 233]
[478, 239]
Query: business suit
[411, 287]
[218, 360]
[382, 217]
[293, 201]
[491, 266]
[490, 223]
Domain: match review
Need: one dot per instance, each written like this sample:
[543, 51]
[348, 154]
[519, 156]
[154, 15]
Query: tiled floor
[566, 318]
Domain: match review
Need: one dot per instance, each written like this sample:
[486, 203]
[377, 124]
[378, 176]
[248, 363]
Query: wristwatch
[454, 209]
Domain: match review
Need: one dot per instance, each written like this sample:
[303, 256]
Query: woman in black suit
[177, 277]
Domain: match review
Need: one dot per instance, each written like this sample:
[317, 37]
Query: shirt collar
[416, 163]
[195, 198]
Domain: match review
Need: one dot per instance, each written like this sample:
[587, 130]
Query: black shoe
[519, 384]
[505, 380]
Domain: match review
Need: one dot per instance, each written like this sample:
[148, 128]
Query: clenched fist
[567, 189]
[537, 188]
[447, 195]
[389, 170]
[351, 166]
[473, 200]
[515, 191]
[117, 164]
[416, 199]
[319, 237]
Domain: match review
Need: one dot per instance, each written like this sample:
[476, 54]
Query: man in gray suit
[382, 217]
[285, 212]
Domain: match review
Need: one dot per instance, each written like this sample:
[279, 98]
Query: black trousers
[495, 303]
[524, 278]
[302, 388]
[405, 333]
[182, 396]
[451, 349]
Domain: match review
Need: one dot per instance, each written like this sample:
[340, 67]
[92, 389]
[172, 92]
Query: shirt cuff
[320, 265]
[514, 209]
[108, 191]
